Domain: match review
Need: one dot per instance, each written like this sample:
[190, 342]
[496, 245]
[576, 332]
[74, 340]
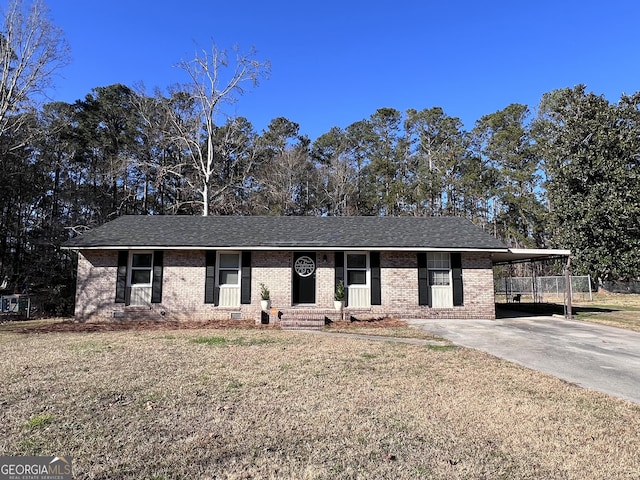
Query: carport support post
[567, 288]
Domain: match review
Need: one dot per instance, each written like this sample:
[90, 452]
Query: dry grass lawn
[262, 403]
[613, 309]
[617, 310]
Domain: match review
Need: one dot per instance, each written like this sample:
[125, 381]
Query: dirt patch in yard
[120, 326]
[61, 326]
[374, 323]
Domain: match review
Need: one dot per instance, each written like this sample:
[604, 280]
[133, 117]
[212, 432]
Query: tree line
[563, 176]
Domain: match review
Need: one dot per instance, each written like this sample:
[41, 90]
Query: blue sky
[335, 62]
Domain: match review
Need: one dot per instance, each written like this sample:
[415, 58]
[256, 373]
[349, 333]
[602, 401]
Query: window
[439, 275]
[357, 269]
[358, 279]
[229, 270]
[439, 265]
[439, 261]
[140, 278]
[141, 269]
[229, 275]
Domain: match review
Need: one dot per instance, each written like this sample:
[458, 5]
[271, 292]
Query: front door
[304, 277]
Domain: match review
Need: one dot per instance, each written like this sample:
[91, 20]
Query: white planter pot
[264, 304]
[338, 305]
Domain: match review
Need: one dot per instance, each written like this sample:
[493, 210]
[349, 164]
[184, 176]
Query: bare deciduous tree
[31, 50]
[215, 80]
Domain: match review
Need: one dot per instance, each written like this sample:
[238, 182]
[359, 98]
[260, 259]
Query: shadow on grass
[510, 310]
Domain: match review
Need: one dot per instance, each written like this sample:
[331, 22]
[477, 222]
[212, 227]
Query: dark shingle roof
[294, 232]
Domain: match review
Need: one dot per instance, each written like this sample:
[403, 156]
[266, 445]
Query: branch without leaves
[214, 81]
[31, 50]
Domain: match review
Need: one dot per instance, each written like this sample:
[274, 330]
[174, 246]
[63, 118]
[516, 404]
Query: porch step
[302, 320]
[302, 324]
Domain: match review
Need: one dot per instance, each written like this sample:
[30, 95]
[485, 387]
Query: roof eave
[288, 248]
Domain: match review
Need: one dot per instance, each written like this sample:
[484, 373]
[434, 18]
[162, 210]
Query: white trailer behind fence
[542, 289]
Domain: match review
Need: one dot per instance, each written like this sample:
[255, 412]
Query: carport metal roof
[520, 255]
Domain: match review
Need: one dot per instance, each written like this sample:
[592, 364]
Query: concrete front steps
[305, 319]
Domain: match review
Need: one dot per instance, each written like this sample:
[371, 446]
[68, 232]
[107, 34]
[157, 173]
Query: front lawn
[262, 403]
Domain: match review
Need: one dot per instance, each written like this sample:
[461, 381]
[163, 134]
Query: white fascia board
[296, 248]
[540, 251]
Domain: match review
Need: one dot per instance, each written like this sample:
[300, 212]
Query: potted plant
[265, 296]
[339, 296]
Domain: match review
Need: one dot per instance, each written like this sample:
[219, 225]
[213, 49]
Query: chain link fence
[542, 289]
[620, 286]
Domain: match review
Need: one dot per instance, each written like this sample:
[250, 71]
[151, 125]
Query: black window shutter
[456, 274]
[211, 290]
[245, 283]
[156, 286]
[423, 279]
[121, 280]
[376, 290]
[339, 274]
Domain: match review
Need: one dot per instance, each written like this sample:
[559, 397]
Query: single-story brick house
[188, 267]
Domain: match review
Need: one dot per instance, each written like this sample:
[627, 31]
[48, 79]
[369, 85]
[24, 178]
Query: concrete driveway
[593, 356]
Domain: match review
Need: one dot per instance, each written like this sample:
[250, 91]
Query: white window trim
[131, 268]
[367, 272]
[447, 269]
[449, 287]
[231, 252]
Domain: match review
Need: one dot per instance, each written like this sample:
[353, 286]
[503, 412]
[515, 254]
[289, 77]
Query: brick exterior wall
[399, 280]
[184, 286]
[96, 284]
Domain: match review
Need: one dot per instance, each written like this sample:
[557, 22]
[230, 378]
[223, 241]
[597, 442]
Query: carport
[531, 255]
